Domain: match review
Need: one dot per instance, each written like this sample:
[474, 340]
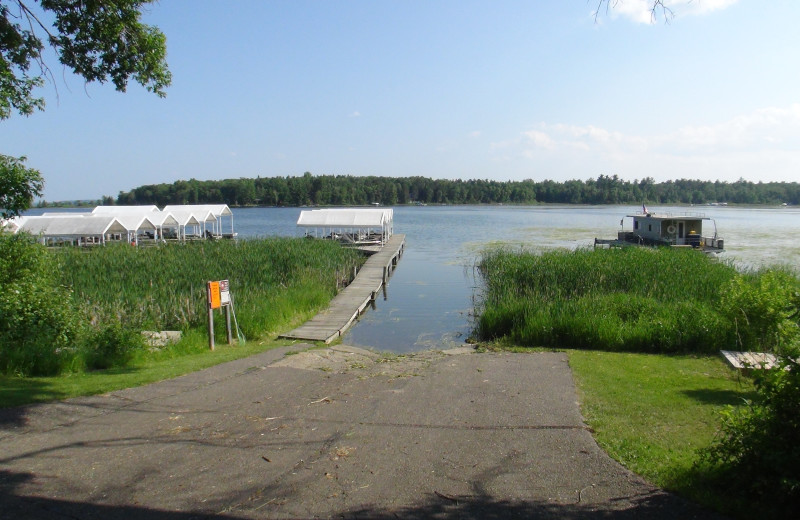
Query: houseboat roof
[670, 216]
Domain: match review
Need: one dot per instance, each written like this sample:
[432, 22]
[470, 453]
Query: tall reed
[635, 299]
[274, 281]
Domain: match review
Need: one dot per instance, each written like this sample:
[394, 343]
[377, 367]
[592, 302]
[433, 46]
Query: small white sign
[224, 293]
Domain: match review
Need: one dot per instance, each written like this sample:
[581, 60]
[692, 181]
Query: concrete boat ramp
[331, 323]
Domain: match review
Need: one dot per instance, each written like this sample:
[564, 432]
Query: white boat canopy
[217, 210]
[133, 223]
[119, 210]
[188, 223]
[358, 223]
[95, 229]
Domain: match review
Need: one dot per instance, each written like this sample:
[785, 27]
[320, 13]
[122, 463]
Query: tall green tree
[98, 40]
[18, 186]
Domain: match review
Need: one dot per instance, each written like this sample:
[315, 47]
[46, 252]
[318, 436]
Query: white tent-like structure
[351, 225]
[77, 230]
[189, 225]
[218, 211]
[134, 224]
[116, 210]
[156, 220]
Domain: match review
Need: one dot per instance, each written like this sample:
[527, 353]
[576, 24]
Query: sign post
[218, 295]
[213, 303]
[225, 301]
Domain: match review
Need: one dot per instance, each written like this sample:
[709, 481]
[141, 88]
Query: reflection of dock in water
[353, 299]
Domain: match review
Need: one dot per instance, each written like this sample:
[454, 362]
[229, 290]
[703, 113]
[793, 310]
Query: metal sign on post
[218, 294]
[214, 296]
[224, 293]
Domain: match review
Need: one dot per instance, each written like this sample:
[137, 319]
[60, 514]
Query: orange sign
[213, 295]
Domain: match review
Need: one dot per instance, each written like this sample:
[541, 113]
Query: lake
[428, 300]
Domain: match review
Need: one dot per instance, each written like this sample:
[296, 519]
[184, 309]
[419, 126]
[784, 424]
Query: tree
[99, 40]
[18, 186]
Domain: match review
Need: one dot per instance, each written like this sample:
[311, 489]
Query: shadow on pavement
[651, 506]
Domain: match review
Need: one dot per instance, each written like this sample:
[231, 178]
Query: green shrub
[112, 346]
[38, 323]
[763, 307]
[756, 458]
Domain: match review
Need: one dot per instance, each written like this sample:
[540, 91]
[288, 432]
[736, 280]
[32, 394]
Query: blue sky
[504, 90]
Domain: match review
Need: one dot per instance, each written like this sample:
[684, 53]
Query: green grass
[108, 295]
[190, 355]
[272, 280]
[653, 412]
[629, 299]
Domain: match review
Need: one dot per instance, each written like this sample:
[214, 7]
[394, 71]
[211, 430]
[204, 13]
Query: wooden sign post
[219, 296]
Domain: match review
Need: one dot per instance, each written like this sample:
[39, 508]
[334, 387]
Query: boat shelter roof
[119, 210]
[133, 220]
[62, 226]
[218, 210]
[186, 217]
[355, 218]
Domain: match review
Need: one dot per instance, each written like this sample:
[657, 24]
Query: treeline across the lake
[348, 190]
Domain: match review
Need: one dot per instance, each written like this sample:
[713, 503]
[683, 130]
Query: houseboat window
[649, 227]
[635, 224]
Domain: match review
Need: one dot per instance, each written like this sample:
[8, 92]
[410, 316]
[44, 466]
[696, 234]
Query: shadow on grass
[721, 397]
[714, 487]
[652, 506]
[16, 391]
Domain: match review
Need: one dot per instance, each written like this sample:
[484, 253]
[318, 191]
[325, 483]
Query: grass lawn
[191, 354]
[653, 412]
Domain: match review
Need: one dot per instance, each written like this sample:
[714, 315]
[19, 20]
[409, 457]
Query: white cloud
[355, 114]
[475, 134]
[641, 11]
[765, 142]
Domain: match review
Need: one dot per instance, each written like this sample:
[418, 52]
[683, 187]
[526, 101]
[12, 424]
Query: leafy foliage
[764, 308]
[98, 40]
[38, 326]
[756, 458]
[112, 345]
[18, 186]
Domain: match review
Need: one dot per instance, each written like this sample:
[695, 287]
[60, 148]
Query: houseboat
[666, 229]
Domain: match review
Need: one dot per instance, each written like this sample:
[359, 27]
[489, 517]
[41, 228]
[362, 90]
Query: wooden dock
[353, 299]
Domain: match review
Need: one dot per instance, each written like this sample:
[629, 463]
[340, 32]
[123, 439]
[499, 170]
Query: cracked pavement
[326, 433]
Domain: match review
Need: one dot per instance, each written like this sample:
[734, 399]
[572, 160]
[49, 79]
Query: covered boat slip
[351, 226]
[73, 230]
[212, 217]
[138, 225]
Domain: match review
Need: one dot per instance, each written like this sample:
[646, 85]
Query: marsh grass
[629, 299]
[275, 282]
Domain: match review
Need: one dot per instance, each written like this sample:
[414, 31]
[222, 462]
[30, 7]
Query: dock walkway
[353, 299]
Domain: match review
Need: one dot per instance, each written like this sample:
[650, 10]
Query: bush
[38, 324]
[757, 455]
[112, 346]
[764, 309]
